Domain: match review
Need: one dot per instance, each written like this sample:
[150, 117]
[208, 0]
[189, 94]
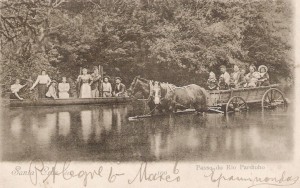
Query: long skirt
[42, 90]
[85, 91]
[63, 95]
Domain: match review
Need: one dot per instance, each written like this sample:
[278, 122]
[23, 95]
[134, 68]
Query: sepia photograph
[202, 87]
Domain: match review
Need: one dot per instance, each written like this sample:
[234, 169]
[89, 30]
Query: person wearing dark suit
[119, 89]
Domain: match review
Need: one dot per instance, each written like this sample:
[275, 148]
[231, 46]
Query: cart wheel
[236, 104]
[273, 98]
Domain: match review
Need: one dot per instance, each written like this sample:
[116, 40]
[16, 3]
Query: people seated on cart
[63, 89]
[222, 85]
[95, 83]
[52, 90]
[212, 81]
[106, 87]
[43, 82]
[252, 77]
[119, 89]
[224, 74]
[15, 88]
[264, 76]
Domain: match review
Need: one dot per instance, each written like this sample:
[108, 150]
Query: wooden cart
[233, 100]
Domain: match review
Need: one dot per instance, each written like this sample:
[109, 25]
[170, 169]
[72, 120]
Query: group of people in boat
[238, 78]
[90, 86]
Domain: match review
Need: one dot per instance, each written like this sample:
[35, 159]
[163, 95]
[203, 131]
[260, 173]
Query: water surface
[104, 133]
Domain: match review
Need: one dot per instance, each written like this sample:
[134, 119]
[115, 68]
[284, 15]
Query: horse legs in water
[151, 106]
[199, 109]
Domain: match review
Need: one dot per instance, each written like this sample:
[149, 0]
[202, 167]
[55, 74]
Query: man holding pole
[96, 81]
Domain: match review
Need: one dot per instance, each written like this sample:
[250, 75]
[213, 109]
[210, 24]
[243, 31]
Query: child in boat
[52, 90]
[212, 81]
[106, 87]
[15, 88]
[63, 89]
[264, 76]
[222, 85]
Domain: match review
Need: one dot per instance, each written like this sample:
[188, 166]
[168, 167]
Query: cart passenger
[235, 77]
[120, 89]
[222, 85]
[225, 75]
[106, 87]
[156, 92]
[63, 89]
[264, 76]
[212, 81]
[242, 80]
[43, 82]
[252, 77]
[52, 90]
[15, 88]
[96, 79]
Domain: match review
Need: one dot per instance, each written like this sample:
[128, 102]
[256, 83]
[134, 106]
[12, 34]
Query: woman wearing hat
[264, 76]
[252, 77]
[120, 89]
[52, 90]
[106, 87]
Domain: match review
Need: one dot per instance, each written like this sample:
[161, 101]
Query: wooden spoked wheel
[236, 104]
[273, 98]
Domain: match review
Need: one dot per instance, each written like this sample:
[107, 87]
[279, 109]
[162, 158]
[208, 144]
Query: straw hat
[262, 66]
[118, 78]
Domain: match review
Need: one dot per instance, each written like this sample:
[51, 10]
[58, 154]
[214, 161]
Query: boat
[64, 102]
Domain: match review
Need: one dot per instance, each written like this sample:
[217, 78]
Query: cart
[237, 100]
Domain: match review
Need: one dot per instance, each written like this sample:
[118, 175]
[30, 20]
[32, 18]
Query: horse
[152, 91]
[190, 96]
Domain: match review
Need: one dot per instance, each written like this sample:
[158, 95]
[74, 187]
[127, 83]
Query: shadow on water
[104, 133]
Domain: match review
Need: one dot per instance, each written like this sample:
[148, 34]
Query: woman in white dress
[63, 89]
[85, 88]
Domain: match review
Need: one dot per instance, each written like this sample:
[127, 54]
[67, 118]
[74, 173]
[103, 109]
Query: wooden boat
[63, 102]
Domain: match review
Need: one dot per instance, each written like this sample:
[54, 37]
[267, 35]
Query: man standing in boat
[120, 89]
[43, 82]
[95, 83]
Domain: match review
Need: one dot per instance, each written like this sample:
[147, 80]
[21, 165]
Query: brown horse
[190, 96]
[143, 88]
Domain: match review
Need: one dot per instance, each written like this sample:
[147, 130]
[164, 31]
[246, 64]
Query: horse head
[139, 85]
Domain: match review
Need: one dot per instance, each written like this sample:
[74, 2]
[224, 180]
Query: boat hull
[63, 102]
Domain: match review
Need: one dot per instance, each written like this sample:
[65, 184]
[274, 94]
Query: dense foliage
[176, 41]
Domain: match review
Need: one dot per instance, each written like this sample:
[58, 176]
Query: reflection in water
[104, 133]
[64, 123]
[16, 127]
[43, 127]
[86, 124]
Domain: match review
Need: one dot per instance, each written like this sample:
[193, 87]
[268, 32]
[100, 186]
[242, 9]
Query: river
[104, 133]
